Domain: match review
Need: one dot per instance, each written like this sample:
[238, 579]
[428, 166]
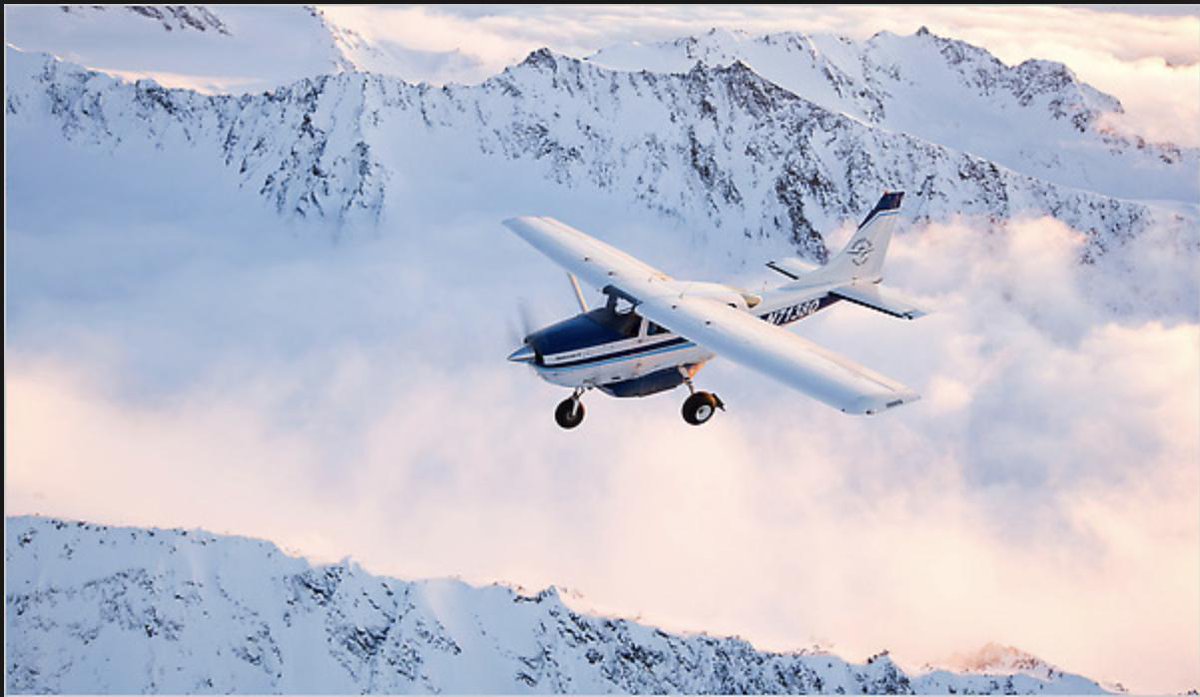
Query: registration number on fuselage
[784, 315]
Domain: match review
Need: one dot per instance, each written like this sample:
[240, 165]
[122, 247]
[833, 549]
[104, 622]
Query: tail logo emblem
[860, 251]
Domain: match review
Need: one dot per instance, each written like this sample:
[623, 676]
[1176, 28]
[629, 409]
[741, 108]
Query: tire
[569, 413]
[699, 408]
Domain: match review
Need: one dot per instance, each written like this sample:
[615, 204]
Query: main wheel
[569, 413]
[700, 407]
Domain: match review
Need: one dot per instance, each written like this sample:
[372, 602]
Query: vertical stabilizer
[862, 257]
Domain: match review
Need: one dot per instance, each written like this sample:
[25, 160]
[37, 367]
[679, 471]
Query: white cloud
[1042, 495]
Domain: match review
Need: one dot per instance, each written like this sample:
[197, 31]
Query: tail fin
[862, 257]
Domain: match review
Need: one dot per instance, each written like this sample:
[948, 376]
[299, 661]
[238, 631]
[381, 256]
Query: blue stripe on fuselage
[628, 355]
[781, 316]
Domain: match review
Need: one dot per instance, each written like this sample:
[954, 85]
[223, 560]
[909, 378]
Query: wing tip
[869, 406]
[525, 225]
[516, 220]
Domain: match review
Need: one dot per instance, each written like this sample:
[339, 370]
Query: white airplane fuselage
[626, 355]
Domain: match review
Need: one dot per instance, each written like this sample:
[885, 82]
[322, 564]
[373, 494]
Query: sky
[189, 361]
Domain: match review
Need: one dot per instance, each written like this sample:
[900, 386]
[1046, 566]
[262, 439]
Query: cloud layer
[1042, 494]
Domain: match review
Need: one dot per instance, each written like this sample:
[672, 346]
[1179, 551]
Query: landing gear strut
[700, 406]
[570, 411]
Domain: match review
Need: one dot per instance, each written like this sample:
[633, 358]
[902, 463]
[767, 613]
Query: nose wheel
[569, 412]
[700, 407]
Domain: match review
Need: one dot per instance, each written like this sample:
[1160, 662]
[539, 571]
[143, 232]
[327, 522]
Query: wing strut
[583, 306]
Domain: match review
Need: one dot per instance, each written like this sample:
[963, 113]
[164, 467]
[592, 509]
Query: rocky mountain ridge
[1036, 117]
[721, 147]
[101, 609]
[170, 17]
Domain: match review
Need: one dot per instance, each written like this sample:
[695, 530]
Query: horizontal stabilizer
[878, 298]
[792, 267]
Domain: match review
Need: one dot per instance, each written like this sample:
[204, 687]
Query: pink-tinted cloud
[1042, 495]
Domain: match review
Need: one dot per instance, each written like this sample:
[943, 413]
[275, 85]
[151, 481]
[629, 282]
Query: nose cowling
[525, 354]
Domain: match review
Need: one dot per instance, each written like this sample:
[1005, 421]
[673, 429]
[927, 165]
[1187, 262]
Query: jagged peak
[170, 17]
[737, 66]
[994, 657]
[927, 37]
[957, 50]
[795, 39]
[549, 61]
[966, 48]
[542, 58]
[548, 594]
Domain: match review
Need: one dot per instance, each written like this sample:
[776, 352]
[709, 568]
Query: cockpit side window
[618, 315]
[628, 324]
[653, 329]
[625, 324]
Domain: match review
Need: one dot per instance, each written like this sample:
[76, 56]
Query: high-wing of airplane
[655, 332]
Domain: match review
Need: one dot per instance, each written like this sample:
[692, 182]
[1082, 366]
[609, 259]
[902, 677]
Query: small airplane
[654, 332]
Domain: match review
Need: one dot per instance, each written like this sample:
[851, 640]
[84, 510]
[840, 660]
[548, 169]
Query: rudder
[862, 257]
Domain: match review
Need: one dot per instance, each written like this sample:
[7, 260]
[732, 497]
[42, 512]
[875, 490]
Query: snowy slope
[1036, 118]
[219, 49]
[715, 149]
[98, 609]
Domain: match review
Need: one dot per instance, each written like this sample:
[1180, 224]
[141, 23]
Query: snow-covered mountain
[1037, 118]
[220, 49]
[718, 148]
[97, 609]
